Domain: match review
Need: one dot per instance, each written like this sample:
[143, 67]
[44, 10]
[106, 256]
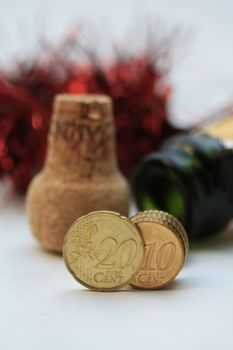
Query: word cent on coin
[103, 250]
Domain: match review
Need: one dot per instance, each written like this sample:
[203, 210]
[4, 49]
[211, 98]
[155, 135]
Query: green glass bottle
[191, 177]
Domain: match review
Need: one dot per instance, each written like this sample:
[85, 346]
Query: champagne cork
[80, 173]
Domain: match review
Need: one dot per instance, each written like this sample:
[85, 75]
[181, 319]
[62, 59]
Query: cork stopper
[73, 102]
[82, 135]
[81, 173]
[89, 107]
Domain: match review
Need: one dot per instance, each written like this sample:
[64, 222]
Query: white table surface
[43, 307]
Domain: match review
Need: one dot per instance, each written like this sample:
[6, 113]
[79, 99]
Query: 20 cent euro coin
[103, 250]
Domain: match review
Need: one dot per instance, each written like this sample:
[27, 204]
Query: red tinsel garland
[134, 83]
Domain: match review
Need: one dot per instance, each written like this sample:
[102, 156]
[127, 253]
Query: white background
[202, 74]
[41, 306]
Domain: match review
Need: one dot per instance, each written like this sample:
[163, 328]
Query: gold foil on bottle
[221, 128]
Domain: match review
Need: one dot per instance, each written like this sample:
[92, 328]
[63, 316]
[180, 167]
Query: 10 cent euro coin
[103, 250]
[166, 247]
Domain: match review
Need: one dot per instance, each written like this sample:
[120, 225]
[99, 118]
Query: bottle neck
[190, 178]
[80, 145]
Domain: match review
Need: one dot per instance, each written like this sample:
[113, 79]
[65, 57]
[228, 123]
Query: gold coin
[166, 246]
[103, 250]
[165, 219]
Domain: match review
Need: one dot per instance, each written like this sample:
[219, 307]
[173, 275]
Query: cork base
[54, 205]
